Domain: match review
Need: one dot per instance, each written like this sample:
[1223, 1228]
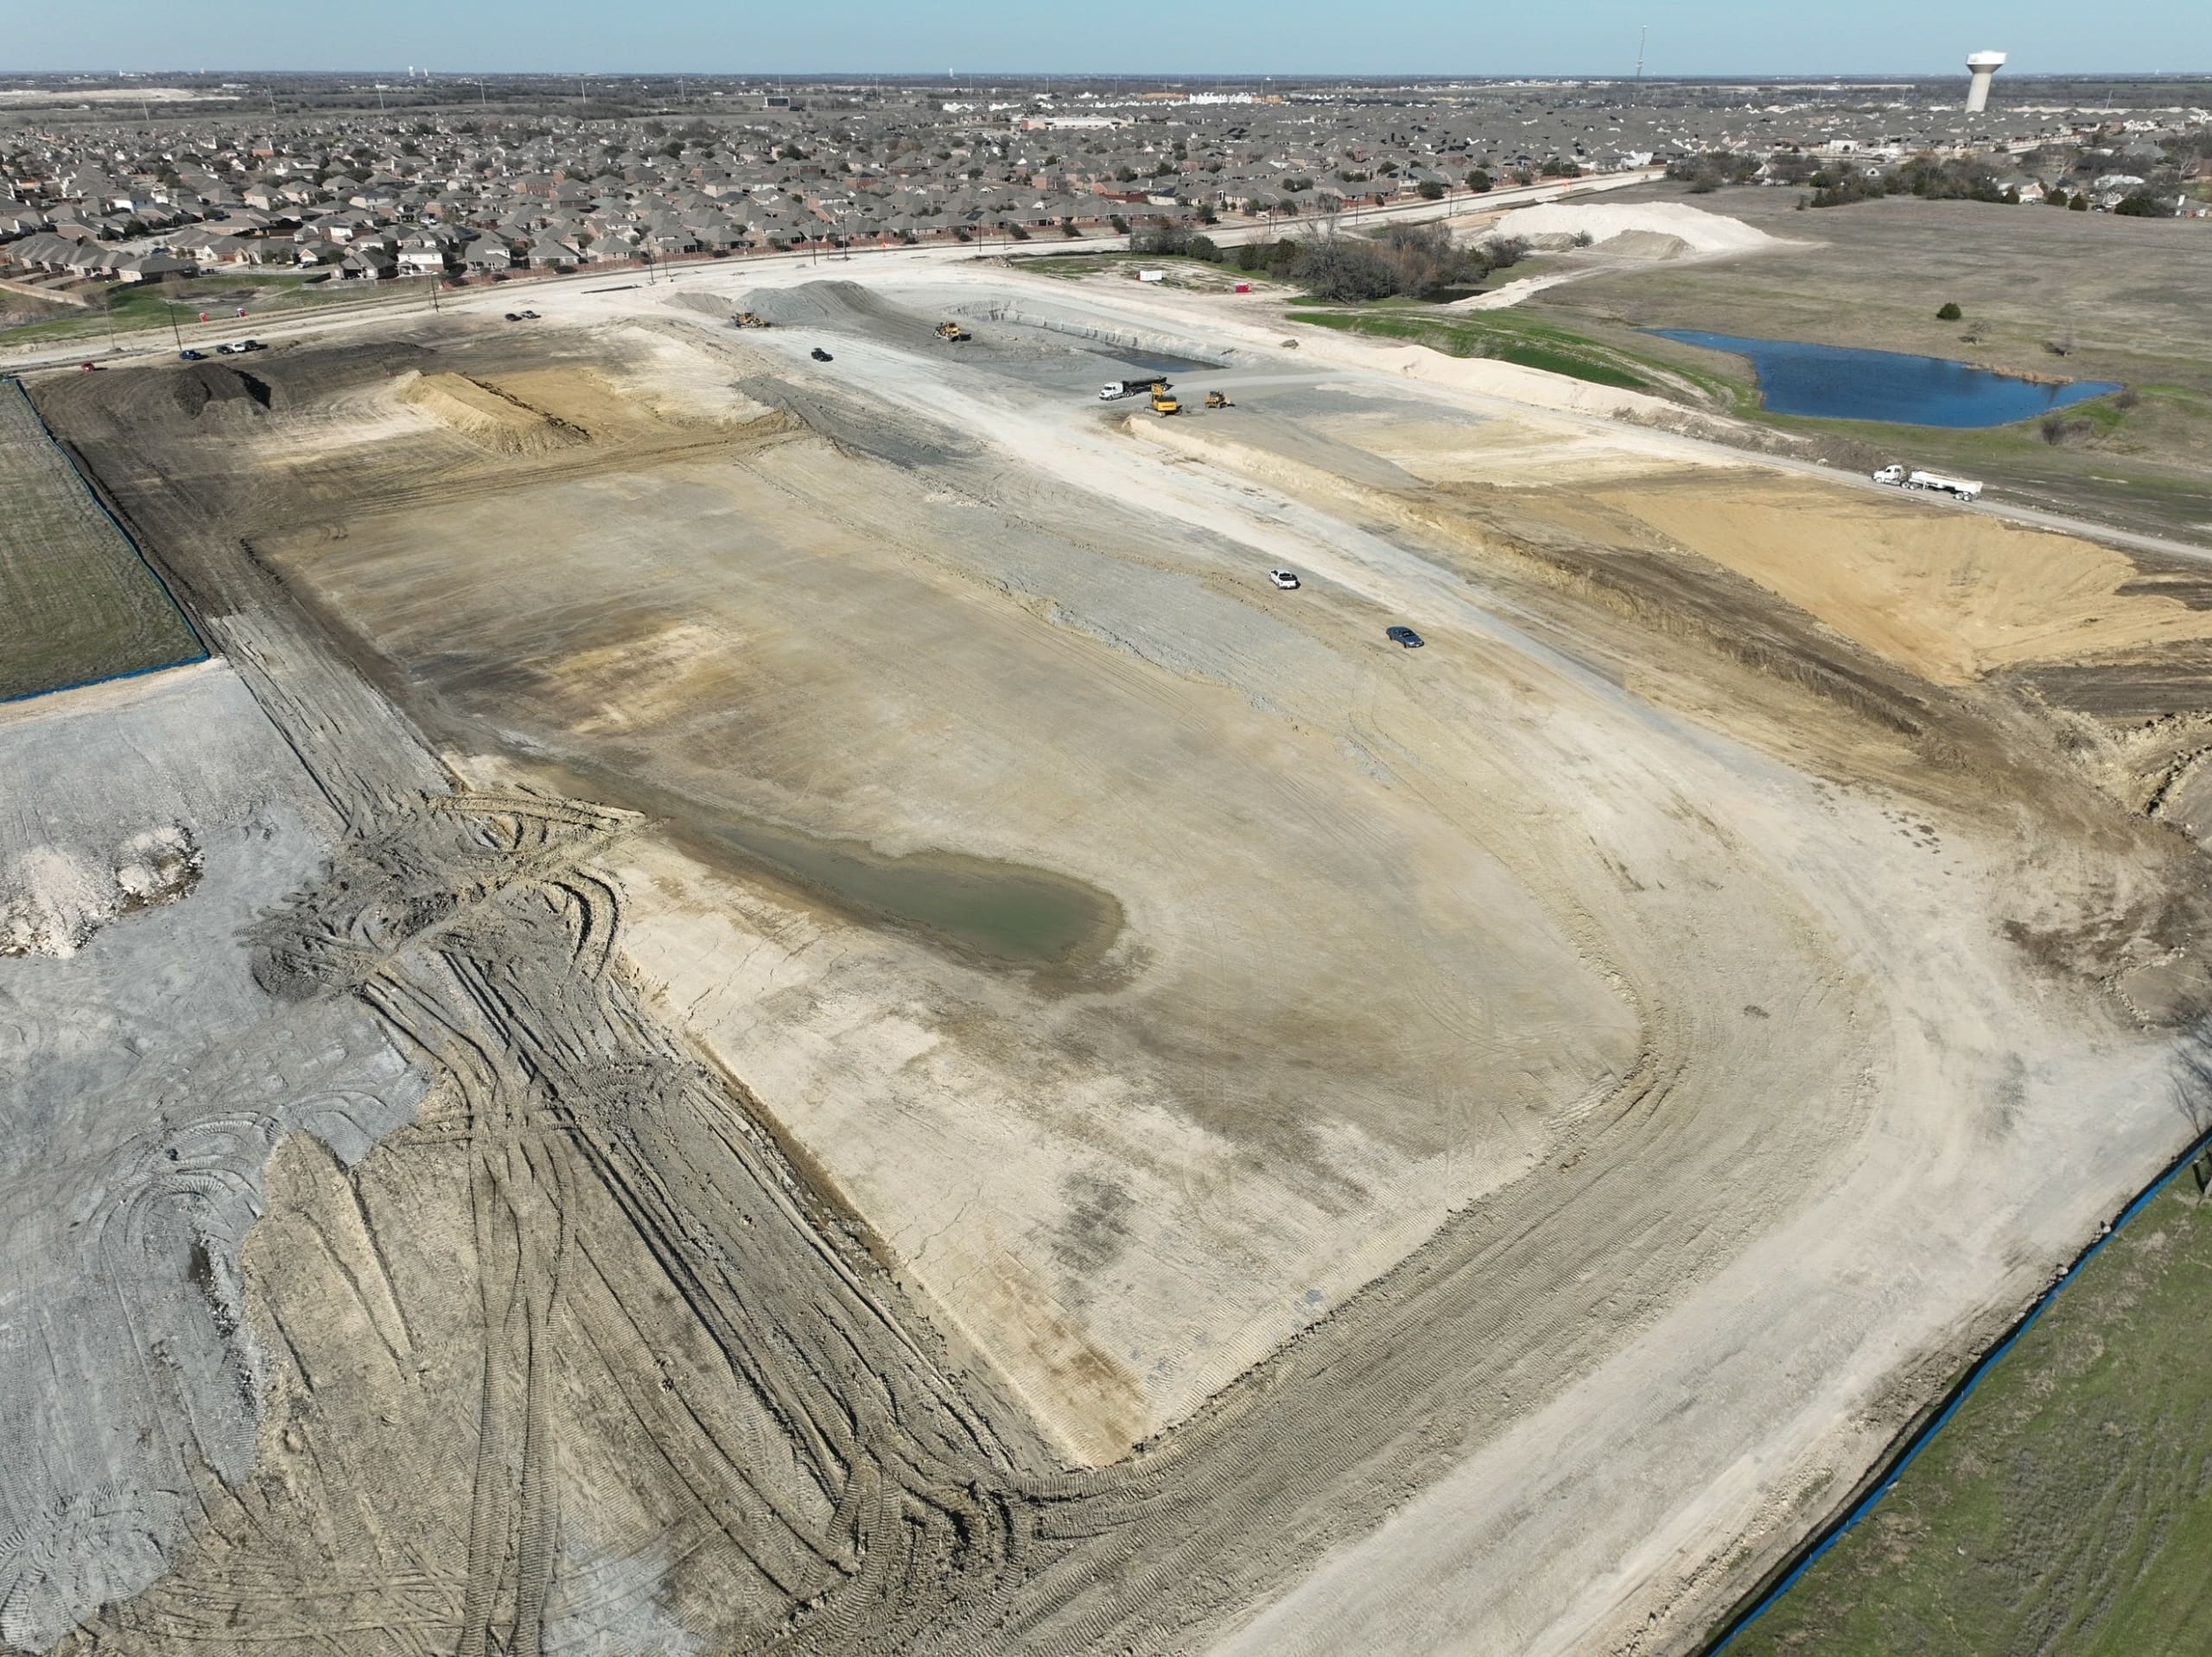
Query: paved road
[473, 301]
[525, 295]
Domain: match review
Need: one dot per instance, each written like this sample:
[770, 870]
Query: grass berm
[82, 604]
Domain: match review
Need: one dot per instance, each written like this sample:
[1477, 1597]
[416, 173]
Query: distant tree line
[1411, 260]
[1707, 171]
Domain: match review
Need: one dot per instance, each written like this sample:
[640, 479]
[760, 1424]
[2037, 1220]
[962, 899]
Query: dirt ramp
[486, 416]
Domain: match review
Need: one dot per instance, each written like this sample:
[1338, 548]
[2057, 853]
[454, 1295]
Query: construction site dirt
[782, 1005]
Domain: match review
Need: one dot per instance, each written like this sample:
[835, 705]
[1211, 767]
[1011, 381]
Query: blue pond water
[1836, 384]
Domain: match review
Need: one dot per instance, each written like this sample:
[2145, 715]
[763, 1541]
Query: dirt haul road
[1055, 1098]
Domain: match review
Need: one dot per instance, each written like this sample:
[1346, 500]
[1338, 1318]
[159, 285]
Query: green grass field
[2134, 471]
[2067, 1507]
[1502, 335]
[136, 307]
[2080, 295]
[80, 602]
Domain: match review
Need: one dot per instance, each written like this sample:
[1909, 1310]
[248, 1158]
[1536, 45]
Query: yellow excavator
[952, 331]
[1164, 403]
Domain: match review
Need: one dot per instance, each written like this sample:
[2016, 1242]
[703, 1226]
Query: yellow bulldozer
[748, 320]
[1218, 400]
[952, 331]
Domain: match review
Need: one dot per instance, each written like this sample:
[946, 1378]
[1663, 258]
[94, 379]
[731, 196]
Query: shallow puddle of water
[1005, 914]
[1003, 911]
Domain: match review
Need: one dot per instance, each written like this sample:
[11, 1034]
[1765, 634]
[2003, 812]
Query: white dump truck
[1960, 488]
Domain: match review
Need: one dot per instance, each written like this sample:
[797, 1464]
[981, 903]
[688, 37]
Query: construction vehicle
[1164, 403]
[747, 319]
[952, 331]
[1218, 400]
[1114, 389]
[1960, 488]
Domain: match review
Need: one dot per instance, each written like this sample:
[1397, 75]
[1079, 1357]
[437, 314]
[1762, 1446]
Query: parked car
[192, 356]
[1284, 579]
[514, 316]
[530, 316]
[88, 368]
[821, 356]
[1405, 637]
[227, 349]
[251, 344]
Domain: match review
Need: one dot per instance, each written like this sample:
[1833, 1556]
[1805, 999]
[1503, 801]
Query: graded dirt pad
[800, 643]
[76, 600]
[997, 1083]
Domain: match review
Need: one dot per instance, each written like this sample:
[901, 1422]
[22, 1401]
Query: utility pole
[1641, 37]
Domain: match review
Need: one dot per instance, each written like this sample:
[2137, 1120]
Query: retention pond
[1834, 383]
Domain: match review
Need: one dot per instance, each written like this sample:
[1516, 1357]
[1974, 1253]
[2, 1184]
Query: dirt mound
[1644, 244]
[705, 304]
[205, 385]
[1557, 223]
[486, 415]
[829, 302]
[52, 901]
[1949, 595]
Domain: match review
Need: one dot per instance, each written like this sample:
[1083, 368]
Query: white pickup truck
[1961, 488]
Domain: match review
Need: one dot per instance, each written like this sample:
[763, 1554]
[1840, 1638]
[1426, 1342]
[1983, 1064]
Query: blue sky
[1120, 36]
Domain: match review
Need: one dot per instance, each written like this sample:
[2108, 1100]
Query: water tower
[1983, 67]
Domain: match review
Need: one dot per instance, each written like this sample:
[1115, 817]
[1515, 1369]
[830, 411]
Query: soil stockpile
[487, 415]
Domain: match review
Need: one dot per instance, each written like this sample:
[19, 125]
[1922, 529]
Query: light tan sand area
[969, 1074]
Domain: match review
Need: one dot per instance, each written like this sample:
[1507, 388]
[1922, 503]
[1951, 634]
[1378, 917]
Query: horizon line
[931, 77]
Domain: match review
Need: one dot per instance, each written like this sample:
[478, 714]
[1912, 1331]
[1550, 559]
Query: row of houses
[292, 193]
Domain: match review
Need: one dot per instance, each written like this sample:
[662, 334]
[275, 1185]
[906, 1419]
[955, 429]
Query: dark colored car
[514, 316]
[1405, 637]
[251, 344]
[821, 356]
[193, 356]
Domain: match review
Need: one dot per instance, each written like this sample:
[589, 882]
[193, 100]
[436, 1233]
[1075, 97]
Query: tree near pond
[1337, 267]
